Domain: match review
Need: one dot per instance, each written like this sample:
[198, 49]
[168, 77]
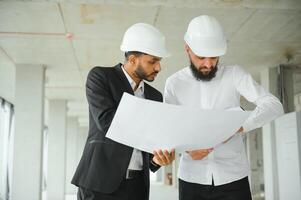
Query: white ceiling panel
[98, 52]
[51, 51]
[34, 17]
[174, 25]
[272, 26]
[104, 21]
[255, 56]
[4, 57]
[274, 4]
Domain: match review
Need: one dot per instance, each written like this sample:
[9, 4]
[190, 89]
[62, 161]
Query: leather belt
[130, 174]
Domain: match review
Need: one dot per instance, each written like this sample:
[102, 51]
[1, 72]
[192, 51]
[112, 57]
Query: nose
[158, 67]
[208, 63]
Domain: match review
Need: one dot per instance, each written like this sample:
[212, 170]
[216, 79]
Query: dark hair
[127, 54]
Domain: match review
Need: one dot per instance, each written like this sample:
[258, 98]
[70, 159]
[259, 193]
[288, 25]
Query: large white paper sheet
[148, 125]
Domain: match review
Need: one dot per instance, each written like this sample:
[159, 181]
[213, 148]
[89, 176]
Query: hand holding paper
[240, 130]
[199, 154]
[163, 158]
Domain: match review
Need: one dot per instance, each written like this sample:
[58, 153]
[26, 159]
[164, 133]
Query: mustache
[211, 68]
[199, 75]
[154, 73]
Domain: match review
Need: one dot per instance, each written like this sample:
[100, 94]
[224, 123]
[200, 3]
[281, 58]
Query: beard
[199, 75]
[141, 74]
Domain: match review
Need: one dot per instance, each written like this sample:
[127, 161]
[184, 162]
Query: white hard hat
[146, 39]
[205, 37]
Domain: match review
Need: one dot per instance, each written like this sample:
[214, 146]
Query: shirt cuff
[154, 164]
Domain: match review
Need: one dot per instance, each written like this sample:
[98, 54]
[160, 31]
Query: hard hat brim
[163, 53]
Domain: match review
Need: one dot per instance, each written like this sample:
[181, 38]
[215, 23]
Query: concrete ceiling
[260, 34]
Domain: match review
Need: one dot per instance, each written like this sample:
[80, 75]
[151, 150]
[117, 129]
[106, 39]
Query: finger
[170, 156]
[173, 154]
[227, 140]
[161, 157]
[164, 156]
[240, 130]
[157, 157]
[155, 153]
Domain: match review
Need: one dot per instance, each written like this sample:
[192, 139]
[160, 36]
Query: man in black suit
[109, 170]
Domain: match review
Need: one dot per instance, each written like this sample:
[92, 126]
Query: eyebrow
[156, 59]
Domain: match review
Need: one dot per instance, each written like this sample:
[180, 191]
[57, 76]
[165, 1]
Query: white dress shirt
[136, 162]
[228, 161]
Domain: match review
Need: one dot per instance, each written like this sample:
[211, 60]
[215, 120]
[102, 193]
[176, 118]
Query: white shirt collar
[132, 82]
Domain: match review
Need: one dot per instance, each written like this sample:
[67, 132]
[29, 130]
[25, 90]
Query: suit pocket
[104, 141]
[101, 150]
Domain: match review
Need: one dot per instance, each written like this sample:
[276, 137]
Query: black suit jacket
[104, 162]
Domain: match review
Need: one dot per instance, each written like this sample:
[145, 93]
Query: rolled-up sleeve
[268, 107]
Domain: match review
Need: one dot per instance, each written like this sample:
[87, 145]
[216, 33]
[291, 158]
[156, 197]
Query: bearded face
[203, 73]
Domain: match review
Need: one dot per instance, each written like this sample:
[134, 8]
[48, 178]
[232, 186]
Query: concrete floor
[157, 191]
[160, 191]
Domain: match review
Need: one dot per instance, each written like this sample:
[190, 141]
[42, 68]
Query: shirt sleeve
[169, 95]
[268, 107]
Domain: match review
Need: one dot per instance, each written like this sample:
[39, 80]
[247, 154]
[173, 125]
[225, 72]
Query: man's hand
[199, 154]
[240, 130]
[163, 158]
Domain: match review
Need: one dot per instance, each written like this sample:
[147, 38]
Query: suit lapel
[126, 84]
[122, 77]
[147, 94]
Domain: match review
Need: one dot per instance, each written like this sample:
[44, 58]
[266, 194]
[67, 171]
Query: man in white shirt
[220, 172]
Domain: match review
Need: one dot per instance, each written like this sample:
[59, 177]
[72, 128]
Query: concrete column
[56, 150]
[297, 101]
[288, 142]
[287, 90]
[159, 176]
[80, 142]
[167, 175]
[175, 167]
[269, 80]
[71, 160]
[255, 156]
[27, 153]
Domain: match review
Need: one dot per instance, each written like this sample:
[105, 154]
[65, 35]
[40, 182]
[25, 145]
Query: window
[6, 147]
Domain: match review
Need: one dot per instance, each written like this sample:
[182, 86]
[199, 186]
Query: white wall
[7, 81]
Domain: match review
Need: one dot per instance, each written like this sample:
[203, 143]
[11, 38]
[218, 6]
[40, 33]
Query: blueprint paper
[149, 125]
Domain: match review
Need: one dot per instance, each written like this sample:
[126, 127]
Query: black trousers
[237, 190]
[129, 189]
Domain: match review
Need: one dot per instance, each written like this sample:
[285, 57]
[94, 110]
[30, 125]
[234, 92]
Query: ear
[132, 59]
[187, 48]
